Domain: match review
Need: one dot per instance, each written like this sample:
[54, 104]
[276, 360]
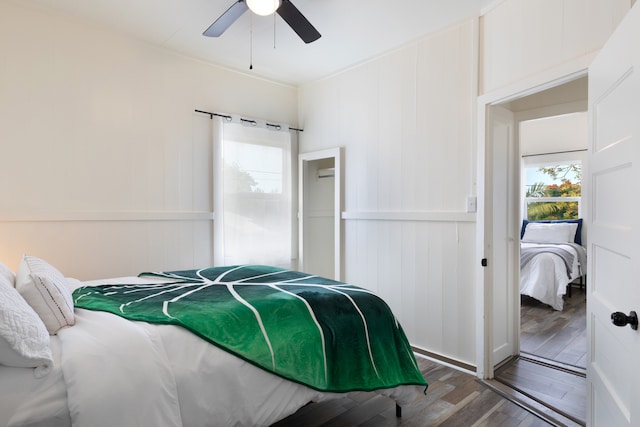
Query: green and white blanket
[328, 335]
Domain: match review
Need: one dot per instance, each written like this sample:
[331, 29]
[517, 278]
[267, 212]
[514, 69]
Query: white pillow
[45, 289]
[540, 232]
[24, 340]
[8, 275]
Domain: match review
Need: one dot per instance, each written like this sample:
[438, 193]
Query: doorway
[552, 306]
[319, 214]
[534, 334]
[550, 129]
[500, 213]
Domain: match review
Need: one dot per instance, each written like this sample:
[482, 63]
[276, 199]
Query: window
[252, 196]
[553, 191]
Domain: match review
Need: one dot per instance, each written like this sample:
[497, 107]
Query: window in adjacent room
[553, 191]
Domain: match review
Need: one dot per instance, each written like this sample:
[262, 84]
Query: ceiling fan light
[263, 7]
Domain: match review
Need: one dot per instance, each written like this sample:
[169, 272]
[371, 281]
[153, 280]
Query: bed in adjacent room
[551, 257]
[238, 345]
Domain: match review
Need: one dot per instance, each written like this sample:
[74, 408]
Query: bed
[551, 257]
[167, 361]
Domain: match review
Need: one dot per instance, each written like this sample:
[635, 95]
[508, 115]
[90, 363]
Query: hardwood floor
[563, 391]
[551, 371]
[555, 335]
[454, 398]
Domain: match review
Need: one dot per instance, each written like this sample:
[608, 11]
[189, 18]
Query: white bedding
[28, 401]
[545, 276]
[170, 378]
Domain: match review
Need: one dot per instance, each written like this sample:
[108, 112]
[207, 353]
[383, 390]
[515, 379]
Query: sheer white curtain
[253, 189]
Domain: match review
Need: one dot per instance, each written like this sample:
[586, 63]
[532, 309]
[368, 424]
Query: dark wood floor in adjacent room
[552, 368]
[560, 336]
[454, 398]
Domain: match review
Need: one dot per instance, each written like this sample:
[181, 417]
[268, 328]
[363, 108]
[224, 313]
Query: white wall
[106, 169]
[568, 132]
[406, 122]
[522, 38]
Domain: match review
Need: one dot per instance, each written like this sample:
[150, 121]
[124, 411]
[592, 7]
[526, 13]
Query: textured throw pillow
[45, 289]
[7, 274]
[549, 232]
[24, 340]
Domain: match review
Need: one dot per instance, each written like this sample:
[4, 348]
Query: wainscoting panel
[421, 268]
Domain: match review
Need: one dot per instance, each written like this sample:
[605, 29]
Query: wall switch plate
[472, 204]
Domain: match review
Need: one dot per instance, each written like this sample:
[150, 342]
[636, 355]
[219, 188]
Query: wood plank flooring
[552, 368]
[454, 398]
[555, 335]
[564, 391]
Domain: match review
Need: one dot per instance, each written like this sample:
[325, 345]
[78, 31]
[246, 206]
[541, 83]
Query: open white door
[500, 222]
[613, 234]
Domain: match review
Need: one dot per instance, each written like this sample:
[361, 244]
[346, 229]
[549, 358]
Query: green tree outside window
[567, 183]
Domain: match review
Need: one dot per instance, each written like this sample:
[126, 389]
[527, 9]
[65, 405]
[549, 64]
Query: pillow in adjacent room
[578, 237]
[45, 289]
[24, 339]
[537, 232]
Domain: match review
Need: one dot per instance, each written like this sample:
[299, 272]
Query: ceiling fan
[284, 8]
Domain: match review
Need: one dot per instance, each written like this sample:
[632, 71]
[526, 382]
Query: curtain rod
[555, 152]
[252, 122]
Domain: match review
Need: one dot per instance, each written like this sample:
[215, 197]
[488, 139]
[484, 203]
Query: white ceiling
[352, 30]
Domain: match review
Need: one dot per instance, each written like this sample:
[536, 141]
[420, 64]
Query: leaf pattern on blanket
[329, 335]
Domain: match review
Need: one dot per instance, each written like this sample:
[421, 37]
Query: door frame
[303, 159]
[572, 70]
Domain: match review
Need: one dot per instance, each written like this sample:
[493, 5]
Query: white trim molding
[431, 216]
[106, 216]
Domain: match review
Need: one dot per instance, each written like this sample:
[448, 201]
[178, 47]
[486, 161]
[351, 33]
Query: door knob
[621, 319]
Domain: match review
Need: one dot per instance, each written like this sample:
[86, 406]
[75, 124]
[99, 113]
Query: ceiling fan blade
[226, 19]
[298, 22]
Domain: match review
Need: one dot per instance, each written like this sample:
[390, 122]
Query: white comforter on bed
[109, 371]
[165, 376]
[545, 276]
